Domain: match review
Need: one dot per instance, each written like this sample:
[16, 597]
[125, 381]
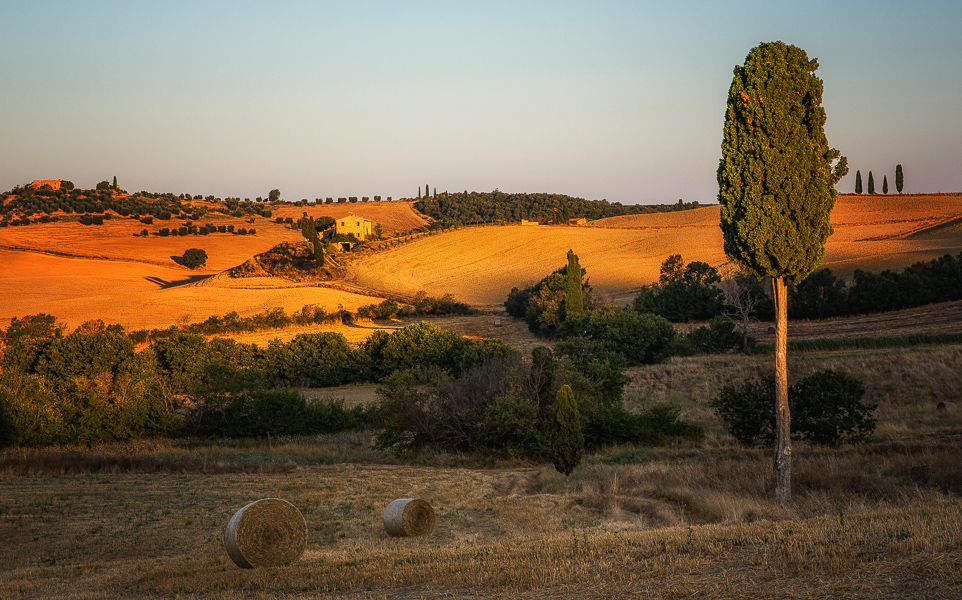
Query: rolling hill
[79, 272]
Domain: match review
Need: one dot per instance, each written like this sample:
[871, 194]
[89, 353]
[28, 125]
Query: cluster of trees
[91, 385]
[188, 228]
[463, 208]
[563, 305]
[310, 228]
[25, 205]
[899, 181]
[697, 292]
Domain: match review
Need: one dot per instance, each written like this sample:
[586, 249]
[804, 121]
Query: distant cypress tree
[885, 184]
[898, 178]
[871, 183]
[574, 300]
[858, 182]
[567, 439]
[115, 182]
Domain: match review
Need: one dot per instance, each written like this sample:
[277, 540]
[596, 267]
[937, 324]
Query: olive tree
[776, 189]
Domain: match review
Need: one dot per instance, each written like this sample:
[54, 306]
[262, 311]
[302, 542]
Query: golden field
[79, 272]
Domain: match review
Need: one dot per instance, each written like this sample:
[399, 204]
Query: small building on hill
[53, 184]
[359, 226]
[577, 221]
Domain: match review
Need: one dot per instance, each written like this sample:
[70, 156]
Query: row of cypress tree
[899, 181]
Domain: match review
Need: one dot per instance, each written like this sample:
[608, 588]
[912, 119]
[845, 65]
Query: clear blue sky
[616, 100]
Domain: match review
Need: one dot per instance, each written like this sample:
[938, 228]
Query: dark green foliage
[421, 346]
[826, 409]
[819, 296]
[567, 440]
[103, 185]
[718, 337]
[312, 360]
[639, 338]
[574, 302]
[194, 258]
[265, 412]
[274, 195]
[595, 373]
[858, 182]
[898, 178]
[885, 184]
[776, 179]
[871, 183]
[748, 410]
[88, 386]
[659, 424]
[684, 292]
[517, 303]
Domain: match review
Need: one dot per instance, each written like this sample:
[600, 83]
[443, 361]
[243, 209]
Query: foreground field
[160, 536]
[879, 520]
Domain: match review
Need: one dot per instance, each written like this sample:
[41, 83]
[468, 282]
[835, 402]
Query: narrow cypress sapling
[567, 439]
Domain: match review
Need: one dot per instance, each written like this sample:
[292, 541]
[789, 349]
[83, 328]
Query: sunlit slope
[621, 254]
[481, 265]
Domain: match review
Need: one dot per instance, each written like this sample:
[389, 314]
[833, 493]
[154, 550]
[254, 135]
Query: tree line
[463, 208]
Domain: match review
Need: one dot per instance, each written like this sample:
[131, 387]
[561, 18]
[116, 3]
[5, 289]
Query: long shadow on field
[164, 284]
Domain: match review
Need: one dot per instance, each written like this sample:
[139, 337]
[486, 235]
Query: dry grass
[614, 531]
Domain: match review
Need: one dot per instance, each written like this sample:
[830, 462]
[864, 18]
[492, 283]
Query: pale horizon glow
[617, 100]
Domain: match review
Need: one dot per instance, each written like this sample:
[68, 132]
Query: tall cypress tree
[574, 300]
[858, 182]
[871, 183]
[885, 184]
[567, 439]
[898, 178]
[776, 189]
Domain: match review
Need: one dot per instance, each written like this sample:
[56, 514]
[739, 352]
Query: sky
[623, 101]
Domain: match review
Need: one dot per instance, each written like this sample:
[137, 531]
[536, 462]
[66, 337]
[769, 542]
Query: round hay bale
[945, 406]
[409, 517]
[266, 533]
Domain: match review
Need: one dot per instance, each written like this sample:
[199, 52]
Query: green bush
[826, 408]
[194, 258]
[279, 411]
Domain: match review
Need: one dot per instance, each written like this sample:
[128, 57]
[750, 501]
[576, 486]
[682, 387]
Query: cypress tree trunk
[783, 444]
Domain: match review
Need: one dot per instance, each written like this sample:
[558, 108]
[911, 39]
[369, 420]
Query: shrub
[194, 258]
[826, 408]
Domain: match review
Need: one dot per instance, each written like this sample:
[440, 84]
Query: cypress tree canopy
[776, 177]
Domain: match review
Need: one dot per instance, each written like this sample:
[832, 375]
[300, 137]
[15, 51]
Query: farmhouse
[53, 184]
[359, 226]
